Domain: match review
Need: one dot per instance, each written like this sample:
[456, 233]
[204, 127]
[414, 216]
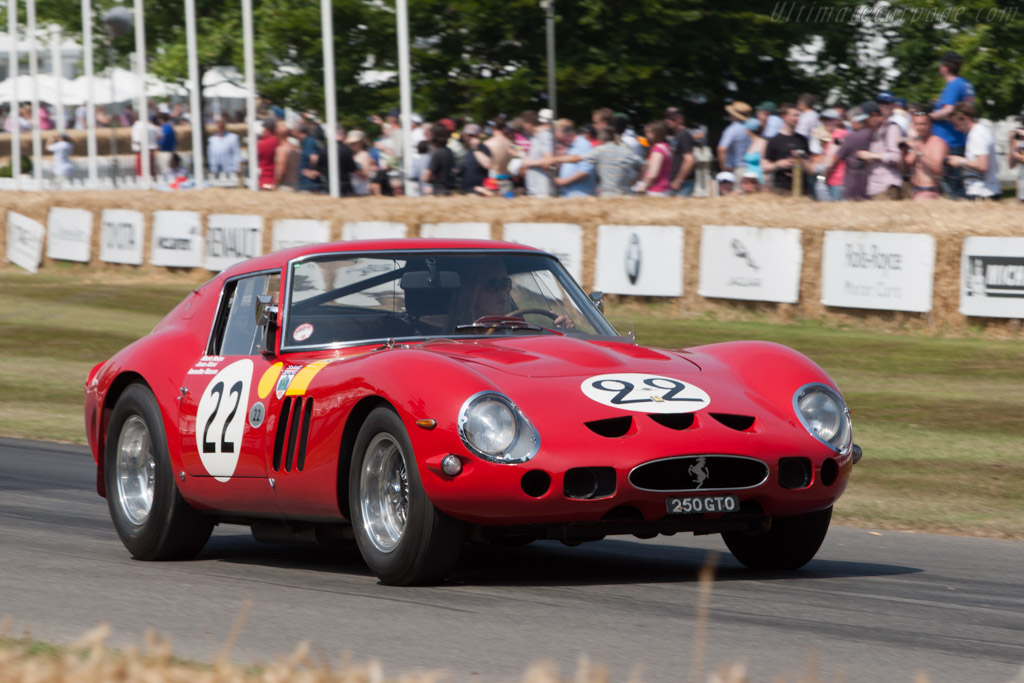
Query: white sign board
[469, 231]
[121, 235]
[24, 241]
[564, 240]
[752, 264]
[641, 260]
[992, 277]
[882, 270]
[231, 239]
[69, 234]
[177, 239]
[373, 230]
[298, 232]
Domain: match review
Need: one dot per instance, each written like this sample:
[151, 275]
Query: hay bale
[949, 222]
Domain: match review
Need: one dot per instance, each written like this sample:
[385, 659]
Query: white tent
[46, 86]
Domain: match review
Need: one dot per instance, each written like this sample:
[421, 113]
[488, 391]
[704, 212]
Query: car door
[222, 419]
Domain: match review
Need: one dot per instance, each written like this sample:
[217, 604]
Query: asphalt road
[873, 606]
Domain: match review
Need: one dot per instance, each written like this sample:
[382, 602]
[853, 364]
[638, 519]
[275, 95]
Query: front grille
[699, 473]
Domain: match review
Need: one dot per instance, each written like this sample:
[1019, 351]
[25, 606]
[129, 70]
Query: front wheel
[152, 519]
[790, 543]
[402, 537]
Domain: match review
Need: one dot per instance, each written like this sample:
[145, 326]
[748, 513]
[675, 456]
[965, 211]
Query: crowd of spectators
[884, 148]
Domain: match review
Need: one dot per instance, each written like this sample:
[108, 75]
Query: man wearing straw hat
[734, 141]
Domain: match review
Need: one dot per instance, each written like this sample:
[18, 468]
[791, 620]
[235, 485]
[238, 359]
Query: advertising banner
[177, 239]
[564, 240]
[992, 277]
[640, 260]
[881, 270]
[24, 241]
[373, 230]
[121, 235]
[69, 234]
[752, 264]
[467, 231]
[232, 238]
[298, 232]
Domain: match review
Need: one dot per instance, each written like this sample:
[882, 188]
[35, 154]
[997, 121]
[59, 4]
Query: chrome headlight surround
[495, 430]
[823, 413]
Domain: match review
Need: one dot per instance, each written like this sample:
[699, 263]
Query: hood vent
[677, 421]
[741, 423]
[612, 427]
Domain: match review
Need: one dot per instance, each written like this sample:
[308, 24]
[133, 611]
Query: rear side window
[236, 332]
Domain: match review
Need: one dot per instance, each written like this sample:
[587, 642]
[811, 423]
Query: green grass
[939, 419]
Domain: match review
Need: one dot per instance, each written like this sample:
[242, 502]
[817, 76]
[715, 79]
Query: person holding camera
[785, 151]
[978, 164]
[1016, 155]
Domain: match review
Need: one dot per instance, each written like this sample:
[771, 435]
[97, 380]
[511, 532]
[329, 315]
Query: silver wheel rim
[384, 493]
[136, 470]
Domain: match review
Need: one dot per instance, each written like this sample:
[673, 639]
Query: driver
[486, 291]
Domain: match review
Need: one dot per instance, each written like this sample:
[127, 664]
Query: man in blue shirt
[734, 141]
[166, 146]
[957, 90]
[575, 179]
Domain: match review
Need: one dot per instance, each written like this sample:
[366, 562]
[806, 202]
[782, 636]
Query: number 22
[225, 445]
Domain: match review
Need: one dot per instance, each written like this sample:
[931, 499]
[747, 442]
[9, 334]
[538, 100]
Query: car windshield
[348, 298]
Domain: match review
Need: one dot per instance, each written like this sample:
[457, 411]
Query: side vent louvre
[293, 425]
[677, 421]
[612, 427]
[740, 423]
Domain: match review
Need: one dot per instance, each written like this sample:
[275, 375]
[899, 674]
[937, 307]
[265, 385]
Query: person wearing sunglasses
[487, 291]
[924, 157]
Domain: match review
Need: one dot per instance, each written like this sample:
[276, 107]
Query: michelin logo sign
[992, 277]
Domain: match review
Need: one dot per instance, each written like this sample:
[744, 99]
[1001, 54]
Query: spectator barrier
[928, 266]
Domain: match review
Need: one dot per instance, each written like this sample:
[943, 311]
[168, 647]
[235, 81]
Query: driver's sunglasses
[494, 285]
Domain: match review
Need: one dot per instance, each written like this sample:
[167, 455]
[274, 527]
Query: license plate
[699, 505]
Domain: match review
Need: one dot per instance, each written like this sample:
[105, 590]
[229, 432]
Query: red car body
[276, 452]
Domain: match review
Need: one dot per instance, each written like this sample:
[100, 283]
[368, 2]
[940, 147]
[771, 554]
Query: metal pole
[549, 11]
[58, 78]
[195, 101]
[33, 70]
[140, 76]
[250, 86]
[405, 93]
[15, 113]
[113, 165]
[330, 105]
[90, 104]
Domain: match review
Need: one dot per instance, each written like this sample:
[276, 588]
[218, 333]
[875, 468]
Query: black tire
[169, 529]
[427, 545]
[790, 543]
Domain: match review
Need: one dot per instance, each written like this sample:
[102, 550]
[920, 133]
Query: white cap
[417, 119]
[545, 115]
[725, 177]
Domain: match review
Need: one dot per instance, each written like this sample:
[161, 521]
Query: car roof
[278, 258]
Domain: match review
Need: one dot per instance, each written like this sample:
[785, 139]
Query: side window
[237, 333]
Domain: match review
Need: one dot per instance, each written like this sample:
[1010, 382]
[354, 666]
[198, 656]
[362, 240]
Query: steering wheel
[520, 312]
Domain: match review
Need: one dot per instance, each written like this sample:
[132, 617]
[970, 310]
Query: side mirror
[598, 299]
[266, 317]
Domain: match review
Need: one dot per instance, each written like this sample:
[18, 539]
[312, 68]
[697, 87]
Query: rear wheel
[152, 519]
[402, 537]
[790, 543]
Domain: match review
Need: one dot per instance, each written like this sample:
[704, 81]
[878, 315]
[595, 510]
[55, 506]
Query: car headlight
[824, 414]
[493, 428]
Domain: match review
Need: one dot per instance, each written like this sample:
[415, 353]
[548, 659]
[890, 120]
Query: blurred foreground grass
[939, 419]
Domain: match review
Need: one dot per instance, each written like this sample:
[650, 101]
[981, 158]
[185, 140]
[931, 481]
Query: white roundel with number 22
[220, 419]
[645, 393]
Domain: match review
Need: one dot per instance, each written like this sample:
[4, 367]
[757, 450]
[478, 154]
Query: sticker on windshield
[302, 332]
[645, 393]
[221, 417]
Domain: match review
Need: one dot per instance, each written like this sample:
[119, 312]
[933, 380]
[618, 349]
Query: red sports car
[418, 394]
